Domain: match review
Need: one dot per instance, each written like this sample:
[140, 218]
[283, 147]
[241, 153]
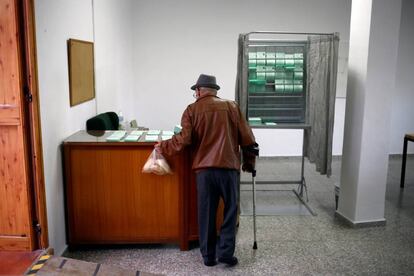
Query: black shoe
[210, 262]
[232, 261]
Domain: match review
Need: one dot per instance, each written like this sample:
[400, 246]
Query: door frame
[32, 123]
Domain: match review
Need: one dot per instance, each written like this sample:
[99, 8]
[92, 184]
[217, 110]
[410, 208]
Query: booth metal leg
[404, 160]
[302, 186]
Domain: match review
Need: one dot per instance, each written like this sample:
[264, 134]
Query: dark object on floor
[337, 189]
[408, 137]
[103, 121]
[229, 261]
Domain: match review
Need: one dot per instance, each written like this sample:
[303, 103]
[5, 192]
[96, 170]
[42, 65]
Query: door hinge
[28, 94]
[37, 227]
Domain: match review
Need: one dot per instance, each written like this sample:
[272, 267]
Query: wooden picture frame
[81, 71]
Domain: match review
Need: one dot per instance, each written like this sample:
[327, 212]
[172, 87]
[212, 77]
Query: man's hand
[249, 157]
[157, 147]
[247, 167]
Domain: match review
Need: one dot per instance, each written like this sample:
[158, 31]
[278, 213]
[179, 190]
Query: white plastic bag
[156, 164]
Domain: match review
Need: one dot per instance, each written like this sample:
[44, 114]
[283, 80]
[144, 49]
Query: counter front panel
[110, 201]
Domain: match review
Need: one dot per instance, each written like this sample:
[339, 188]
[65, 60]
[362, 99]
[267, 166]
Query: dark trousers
[211, 185]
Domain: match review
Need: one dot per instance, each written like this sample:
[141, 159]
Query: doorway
[23, 222]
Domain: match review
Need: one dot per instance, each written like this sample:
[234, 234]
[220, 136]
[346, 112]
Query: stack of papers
[255, 120]
[116, 136]
[168, 132]
[132, 138]
[166, 137]
[151, 138]
[137, 132]
[153, 132]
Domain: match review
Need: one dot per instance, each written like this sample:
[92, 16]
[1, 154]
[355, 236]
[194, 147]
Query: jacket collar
[205, 96]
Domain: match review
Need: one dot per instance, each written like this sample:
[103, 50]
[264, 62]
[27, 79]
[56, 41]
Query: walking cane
[254, 208]
[254, 150]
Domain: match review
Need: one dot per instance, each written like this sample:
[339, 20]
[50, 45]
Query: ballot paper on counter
[153, 132]
[168, 132]
[151, 138]
[116, 136]
[166, 137]
[137, 132]
[132, 138]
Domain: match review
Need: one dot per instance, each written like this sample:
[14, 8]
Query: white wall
[56, 22]
[114, 51]
[403, 97]
[175, 43]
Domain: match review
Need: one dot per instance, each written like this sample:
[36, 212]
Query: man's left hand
[247, 167]
[157, 147]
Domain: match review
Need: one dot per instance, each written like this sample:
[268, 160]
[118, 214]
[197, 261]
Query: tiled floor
[296, 244]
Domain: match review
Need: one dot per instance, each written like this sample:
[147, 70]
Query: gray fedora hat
[206, 81]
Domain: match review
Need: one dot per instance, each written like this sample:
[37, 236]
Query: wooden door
[16, 232]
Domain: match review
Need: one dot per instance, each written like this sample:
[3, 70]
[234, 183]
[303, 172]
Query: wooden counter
[110, 201]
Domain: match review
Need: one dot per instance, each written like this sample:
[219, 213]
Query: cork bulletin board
[81, 71]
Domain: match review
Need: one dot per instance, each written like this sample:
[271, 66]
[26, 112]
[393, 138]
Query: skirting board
[360, 224]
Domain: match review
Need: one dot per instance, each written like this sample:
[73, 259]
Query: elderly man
[215, 129]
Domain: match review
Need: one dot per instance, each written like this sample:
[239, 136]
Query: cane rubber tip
[255, 245]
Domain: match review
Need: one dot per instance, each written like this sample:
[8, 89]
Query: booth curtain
[241, 96]
[322, 64]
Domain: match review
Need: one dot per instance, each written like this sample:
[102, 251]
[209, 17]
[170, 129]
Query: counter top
[100, 136]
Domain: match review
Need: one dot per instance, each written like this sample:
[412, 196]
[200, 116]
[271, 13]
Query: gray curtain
[322, 59]
[241, 79]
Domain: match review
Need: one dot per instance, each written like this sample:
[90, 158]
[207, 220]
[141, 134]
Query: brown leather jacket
[214, 128]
